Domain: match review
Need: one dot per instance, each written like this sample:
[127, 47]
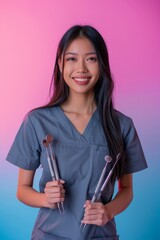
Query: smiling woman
[86, 129]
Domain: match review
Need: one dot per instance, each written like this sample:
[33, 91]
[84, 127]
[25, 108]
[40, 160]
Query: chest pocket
[72, 161]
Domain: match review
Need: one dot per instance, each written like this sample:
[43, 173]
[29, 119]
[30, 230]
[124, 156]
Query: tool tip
[108, 158]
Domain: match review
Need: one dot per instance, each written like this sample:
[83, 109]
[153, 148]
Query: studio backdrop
[29, 34]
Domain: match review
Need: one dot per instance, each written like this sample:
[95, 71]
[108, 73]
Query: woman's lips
[81, 80]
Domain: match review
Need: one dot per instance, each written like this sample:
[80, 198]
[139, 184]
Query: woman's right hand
[54, 193]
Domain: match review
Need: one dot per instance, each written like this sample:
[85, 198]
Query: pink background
[29, 34]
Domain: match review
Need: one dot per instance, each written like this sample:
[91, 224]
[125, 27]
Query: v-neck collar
[87, 128]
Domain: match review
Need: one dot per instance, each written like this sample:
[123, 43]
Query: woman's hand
[96, 213]
[99, 214]
[54, 193]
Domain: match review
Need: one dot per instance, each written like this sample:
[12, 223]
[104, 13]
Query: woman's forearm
[120, 202]
[31, 197]
[53, 192]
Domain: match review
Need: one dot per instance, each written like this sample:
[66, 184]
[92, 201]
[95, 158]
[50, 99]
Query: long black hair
[103, 89]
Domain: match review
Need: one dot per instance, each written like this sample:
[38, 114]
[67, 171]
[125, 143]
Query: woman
[85, 128]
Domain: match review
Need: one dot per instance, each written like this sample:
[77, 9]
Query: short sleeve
[134, 156]
[25, 150]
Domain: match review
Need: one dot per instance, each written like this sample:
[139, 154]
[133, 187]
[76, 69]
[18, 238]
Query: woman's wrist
[108, 210]
[44, 202]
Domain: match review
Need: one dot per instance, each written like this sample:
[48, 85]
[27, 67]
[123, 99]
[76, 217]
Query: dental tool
[108, 177]
[108, 159]
[100, 187]
[47, 142]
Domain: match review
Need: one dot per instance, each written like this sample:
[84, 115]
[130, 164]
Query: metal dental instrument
[52, 165]
[108, 159]
[100, 187]
[108, 177]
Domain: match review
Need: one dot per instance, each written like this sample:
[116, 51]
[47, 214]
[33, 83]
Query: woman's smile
[81, 80]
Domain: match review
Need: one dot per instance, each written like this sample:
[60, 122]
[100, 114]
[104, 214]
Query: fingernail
[62, 181]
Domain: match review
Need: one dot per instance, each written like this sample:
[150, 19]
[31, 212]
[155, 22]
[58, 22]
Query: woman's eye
[71, 59]
[92, 59]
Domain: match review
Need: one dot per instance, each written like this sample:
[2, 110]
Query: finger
[52, 205]
[94, 205]
[55, 200]
[56, 197]
[88, 202]
[93, 222]
[94, 219]
[55, 194]
[92, 212]
[62, 181]
[54, 190]
[54, 183]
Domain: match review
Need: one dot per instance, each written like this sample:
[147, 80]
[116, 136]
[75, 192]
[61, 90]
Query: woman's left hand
[96, 213]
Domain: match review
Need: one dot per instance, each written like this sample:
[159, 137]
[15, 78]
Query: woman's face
[81, 68]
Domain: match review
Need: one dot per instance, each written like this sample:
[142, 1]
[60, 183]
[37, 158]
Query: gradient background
[29, 34]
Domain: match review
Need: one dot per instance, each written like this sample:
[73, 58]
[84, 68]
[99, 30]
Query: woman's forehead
[80, 45]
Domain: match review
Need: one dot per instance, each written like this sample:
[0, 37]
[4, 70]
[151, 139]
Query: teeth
[81, 79]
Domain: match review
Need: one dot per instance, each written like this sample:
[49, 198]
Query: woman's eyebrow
[73, 53]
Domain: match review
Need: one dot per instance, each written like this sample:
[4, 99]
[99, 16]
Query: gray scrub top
[80, 159]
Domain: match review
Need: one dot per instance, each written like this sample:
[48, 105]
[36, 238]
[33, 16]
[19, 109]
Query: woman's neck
[80, 104]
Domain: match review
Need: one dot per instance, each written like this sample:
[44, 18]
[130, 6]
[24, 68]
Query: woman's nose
[81, 66]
